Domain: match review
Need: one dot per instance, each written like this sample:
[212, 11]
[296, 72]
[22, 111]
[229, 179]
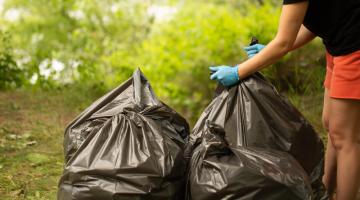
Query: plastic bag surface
[126, 145]
[251, 143]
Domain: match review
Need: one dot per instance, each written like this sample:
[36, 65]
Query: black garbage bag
[251, 143]
[126, 146]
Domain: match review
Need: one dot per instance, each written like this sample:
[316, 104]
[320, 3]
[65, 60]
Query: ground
[31, 135]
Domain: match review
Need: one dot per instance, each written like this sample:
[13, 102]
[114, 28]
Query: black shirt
[337, 22]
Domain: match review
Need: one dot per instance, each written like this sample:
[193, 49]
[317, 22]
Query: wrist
[237, 71]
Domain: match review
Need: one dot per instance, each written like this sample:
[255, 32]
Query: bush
[109, 44]
[11, 76]
[176, 55]
[77, 34]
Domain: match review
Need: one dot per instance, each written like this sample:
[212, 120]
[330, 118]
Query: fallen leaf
[31, 143]
[11, 136]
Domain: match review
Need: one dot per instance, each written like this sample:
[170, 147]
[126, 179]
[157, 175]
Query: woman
[337, 22]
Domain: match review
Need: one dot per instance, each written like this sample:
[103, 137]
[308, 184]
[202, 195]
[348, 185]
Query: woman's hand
[253, 49]
[226, 75]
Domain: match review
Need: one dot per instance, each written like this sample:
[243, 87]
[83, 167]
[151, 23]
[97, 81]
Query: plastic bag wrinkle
[250, 143]
[126, 145]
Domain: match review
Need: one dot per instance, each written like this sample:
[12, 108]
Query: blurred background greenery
[57, 56]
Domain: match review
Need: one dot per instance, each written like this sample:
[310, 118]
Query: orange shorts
[343, 76]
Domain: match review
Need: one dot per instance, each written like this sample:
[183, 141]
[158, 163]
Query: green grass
[31, 137]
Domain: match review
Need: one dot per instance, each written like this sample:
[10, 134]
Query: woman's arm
[292, 16]
[303, 37]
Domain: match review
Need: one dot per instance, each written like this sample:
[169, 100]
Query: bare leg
[329, 178]
[344, 131]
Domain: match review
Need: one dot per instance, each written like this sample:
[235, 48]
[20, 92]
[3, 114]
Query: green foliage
[177, 54]
[11, 76]
[100, 43]
[301, 71]
[77, 34]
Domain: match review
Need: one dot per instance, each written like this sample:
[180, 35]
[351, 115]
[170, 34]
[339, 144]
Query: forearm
[287, 38]
[303, 37]
[269, 55]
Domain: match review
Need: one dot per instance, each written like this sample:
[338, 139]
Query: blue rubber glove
[253, 49]
[226, 75]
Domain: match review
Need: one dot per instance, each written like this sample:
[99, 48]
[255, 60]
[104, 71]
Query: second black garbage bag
[127, 146]
[250, 143]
